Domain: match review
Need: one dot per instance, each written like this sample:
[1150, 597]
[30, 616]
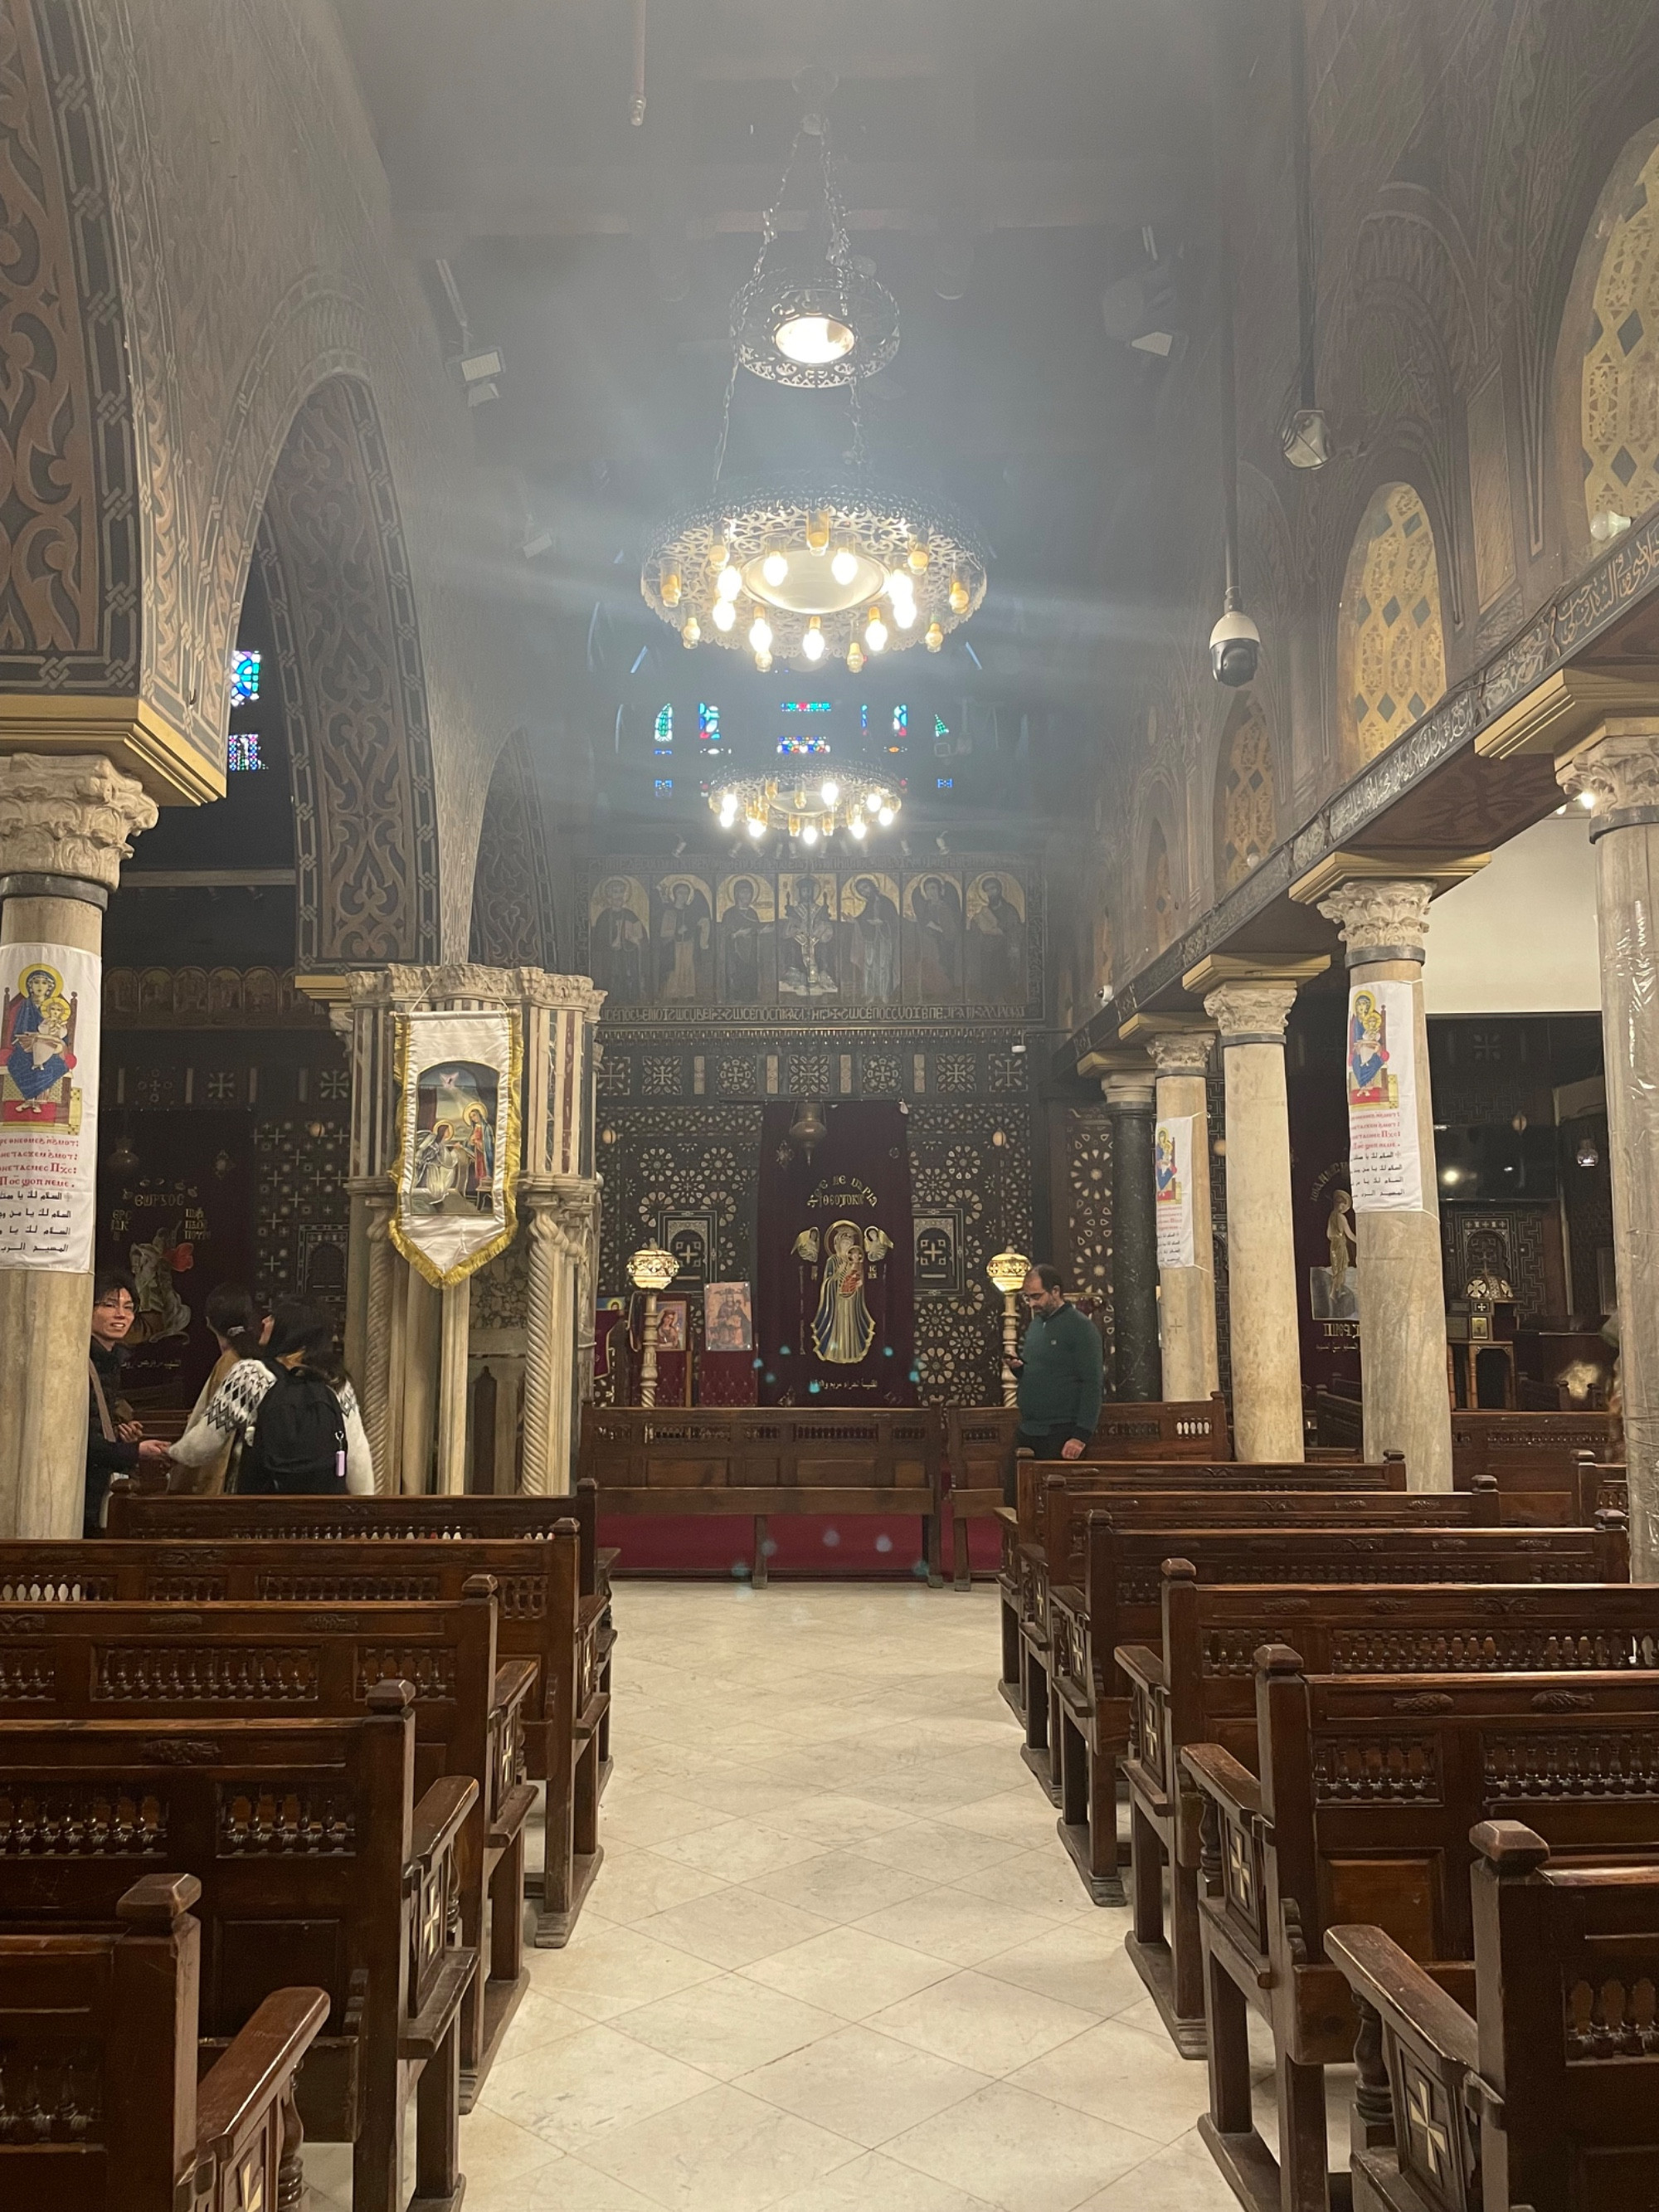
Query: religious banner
[836, 1324]
[1172, 1190]
[1384, 1155]
[458, 1140]
[49, 996]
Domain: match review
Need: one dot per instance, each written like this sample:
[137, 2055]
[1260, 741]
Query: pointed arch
[512, 919]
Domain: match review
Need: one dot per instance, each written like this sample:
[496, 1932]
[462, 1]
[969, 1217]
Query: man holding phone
[1058, 1371]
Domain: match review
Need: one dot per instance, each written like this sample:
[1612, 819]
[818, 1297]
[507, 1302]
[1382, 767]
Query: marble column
[1130, 1105]
[1187, 1295]
[563, 1213]
[1402, 1300]
[374, 1376]
[1619, 768]
[64, 823]
[1267, 1341]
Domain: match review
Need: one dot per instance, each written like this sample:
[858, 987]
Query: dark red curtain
[833, 1262]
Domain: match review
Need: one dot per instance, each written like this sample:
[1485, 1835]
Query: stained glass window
[242, 752]
[709, 727]
[794, 748]
[946, 782]
[244, 676]
[665, 786]
[808, 705]
[665, 730]
[941, 736]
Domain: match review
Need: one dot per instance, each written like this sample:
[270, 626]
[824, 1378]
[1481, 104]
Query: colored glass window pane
[242, 752]
[244, 676]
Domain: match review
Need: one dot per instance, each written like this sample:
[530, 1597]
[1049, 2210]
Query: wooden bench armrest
[441, 1815]
[423, 2036]
[1008, 1517]
[1069, 1595]
[511, 1814]
[243, 2085]
[1220, 1776]
[514, 1680]
[1142, 1666]
[1393, 1984]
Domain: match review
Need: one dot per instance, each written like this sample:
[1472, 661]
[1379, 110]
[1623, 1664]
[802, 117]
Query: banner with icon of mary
[49, 1023]
[457, 1150]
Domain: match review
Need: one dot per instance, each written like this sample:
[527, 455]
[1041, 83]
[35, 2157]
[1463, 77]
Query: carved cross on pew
[1239, 1868]
[1437, 2144]
[251, 2182]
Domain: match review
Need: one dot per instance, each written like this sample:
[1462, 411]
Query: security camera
[1234, 650]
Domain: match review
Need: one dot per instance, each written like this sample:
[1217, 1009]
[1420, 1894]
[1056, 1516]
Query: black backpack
[299, 1443]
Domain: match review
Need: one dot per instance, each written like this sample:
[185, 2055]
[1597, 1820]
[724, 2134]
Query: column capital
[69, 815]
[1619, 768]
[1380, 918]
[1251, 1012]
[1130, 1090]
[1180, 1052]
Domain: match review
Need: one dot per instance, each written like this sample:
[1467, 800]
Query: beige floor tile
[722, 2152]
[1042, 1880]
[568, 2184]
[630, 1889]
[574, 2091]
[606, 1970]
[538, 2021]
[1018, 1813]
[730, 2026]
[651, 1817]
[1079, 1963]
[837, 1822]
[989, 2026]
[841, 1886]
[1182, 2177]
[740, 1849]
[1119, 2075]
[861, 2085]
[733, 1927]
[925, 1847]
[1020, 2152]
[949, 1924]
[849, 1973]
[877, 2184]
[496, 2150]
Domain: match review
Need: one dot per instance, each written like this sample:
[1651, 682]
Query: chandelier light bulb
[830, 792]
[815, 341]
[764, 662]
[726, 615]
[959, 596]
[809, 835]
[671, 587]
[844, 567]
[885, 817]
[917, 557]
[756, 828]
[857, 828]
[760, 633]
[719, 553]
[776, 568]
[934, 639]
[813, 644]
[855, 656]
[818, 533]
[904, 613]
[873, 802]
[875, 634]
[691, 633]
[729, 584]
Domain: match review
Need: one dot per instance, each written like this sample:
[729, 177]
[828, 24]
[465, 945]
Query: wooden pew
[1056, 1560]
[100, 2106]
[1543, 2102]
[541, 1619]
[1121, 1598]
[1197, 1686]
[979, 1440]
[758, 1462]
[228, 1662]
[1370, 1787]
[136, 1512]
[1022, 1524]
[314, 1859]
[1477, 1437]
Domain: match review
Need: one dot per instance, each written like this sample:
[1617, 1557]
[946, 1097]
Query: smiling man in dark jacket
[1058, 1371]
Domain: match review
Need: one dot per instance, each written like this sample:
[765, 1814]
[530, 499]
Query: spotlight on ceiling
[479, 371]
[1305, 439]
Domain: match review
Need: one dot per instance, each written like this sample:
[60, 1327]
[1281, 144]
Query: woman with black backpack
[294, 1410]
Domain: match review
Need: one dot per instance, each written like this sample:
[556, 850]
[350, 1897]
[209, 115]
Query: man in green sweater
[1058, 1371]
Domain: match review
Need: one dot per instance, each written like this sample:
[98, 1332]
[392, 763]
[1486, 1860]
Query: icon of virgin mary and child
[1369, 1081]
[37, 1054]
[844, 1328]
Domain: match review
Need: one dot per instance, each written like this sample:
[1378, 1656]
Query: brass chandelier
[800, 573]
[810, 804]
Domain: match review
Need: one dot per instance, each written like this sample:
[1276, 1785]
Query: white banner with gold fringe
[457, 1150]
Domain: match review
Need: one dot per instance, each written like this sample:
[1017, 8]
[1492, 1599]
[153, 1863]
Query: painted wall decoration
[938, 1268]
[847, 933]
[746, 937]
[1391, 647]
[49, 998]
[458, 1142]
[693, 1240]
[512, 888]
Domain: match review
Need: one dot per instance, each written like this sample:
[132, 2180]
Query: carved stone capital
[1619, 768]
[1180, 1052]
[1128, 1092]
[1250, 1013]
[564, 1210]
[1380, 917]
[68, 814]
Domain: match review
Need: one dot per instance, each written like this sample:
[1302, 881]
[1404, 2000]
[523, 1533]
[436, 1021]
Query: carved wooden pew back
[249, 1662]
[1369, 1788]
[315, 1864]
[1550, 2093]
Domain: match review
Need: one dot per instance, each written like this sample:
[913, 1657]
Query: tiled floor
[835, 1959]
